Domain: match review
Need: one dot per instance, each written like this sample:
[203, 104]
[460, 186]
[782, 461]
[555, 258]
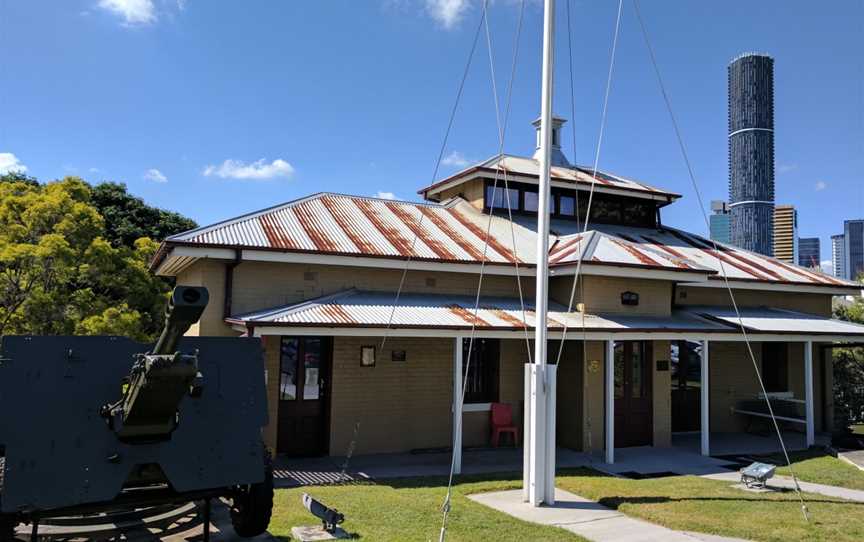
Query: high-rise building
[809, 252]
[719, 221]
[853, 242]
[838, 255]
[751, 152]
[786, 233]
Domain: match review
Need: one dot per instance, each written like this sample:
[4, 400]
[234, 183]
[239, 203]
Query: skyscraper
[853, 242]
[808, 252]
[751, 152]
[786, 233]
[719, 221]
[838, 255]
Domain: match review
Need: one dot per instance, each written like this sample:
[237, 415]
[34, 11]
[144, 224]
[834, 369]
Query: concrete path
[588, 519]
[854, 458]
[786, 482]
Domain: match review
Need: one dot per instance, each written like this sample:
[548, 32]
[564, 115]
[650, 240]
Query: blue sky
[215, 108]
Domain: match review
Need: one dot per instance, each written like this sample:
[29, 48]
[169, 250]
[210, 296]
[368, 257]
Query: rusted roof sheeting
[520, 165]
[455, 232]
[353, 308]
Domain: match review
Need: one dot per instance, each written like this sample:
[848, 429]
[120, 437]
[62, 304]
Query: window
[605, 209]
[567, 206]
[300, 364]
[481, 378]
[686, 361]
[288, 372]
[775, 367]
[498, 200]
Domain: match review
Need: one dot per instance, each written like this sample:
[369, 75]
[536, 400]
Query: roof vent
[558, 158]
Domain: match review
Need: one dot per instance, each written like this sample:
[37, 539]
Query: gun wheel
[253, 504]
[7, 523]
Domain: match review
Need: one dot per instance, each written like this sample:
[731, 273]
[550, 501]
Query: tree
[128, 218]
[60, 274]
[849, 372]
[18, 177]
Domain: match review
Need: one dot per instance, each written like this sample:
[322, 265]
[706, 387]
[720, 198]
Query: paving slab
[587, 518]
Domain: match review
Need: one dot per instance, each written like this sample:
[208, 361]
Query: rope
[593, 184]
[435, 172]
[692, 176]
[502, 128]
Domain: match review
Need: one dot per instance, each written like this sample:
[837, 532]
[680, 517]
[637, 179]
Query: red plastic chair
[502, 422]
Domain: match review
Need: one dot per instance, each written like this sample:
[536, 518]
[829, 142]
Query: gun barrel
[185, 307]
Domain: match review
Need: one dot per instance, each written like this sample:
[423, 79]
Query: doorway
[304, 396]
[634, 414]
[686, 361]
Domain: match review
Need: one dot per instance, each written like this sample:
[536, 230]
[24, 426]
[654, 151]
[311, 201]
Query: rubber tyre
[253, 505]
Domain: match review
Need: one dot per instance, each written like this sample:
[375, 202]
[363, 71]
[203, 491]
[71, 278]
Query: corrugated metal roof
[773, 320]
[527, 166]
[353, 308]
[339, 224]
[455, 232]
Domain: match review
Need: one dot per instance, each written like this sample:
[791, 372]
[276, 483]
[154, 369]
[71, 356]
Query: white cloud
[260, 169]
[133, 12]
[448, 13]
[820, 185]
[155, 175]
[786, 168]
[455, 159]
[827, 266]
[386, 195]
[9, 163]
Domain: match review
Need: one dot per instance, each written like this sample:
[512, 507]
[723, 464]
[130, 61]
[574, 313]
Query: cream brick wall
[733, 379]
[400, 405]
[210, 274]
[662, 392]
[592, 401]
[603, 294]
[810, 303]
[471, 191]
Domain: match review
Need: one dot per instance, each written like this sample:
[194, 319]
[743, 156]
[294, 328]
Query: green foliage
[18, 177]
[128, 218]
[60, 272]
[849, 372]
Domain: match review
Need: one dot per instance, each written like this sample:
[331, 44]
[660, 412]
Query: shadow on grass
[617, 501]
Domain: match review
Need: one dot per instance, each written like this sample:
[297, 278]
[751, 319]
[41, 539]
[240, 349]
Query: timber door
[633, 399]
[304, 385]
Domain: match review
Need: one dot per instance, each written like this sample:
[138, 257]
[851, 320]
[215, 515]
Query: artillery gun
[97, 424]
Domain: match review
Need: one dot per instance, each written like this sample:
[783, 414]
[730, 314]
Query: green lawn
[821, 468]
[858, 429]
[696, 504]
[409, 509]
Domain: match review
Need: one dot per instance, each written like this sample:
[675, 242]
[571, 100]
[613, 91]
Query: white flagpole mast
[540, 447]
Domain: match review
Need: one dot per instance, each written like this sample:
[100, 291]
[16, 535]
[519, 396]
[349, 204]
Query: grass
[821, 468]
[858, 429]
[691, 503]
[409, 509]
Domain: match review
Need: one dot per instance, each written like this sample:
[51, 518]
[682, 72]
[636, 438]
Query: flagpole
[540, 448]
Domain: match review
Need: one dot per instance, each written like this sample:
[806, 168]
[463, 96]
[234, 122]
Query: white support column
[808, 392]
[526, 432]
[609, 399]
[551, 433]
[705, 401]
[457, 405]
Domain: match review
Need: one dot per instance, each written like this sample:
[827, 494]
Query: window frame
[486, 360]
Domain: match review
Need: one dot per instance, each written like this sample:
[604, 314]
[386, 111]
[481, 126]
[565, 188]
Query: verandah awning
[357, 312]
